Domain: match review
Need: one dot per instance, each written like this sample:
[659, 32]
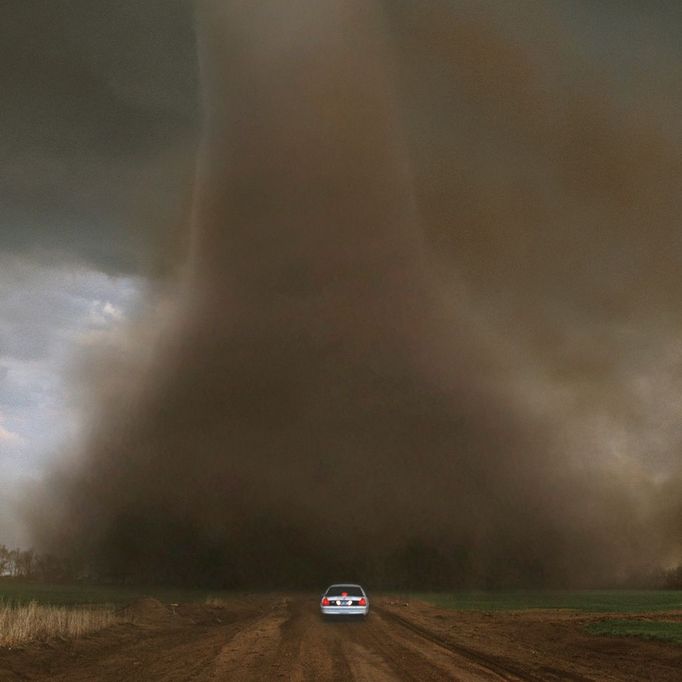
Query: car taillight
[325, 601]
[362, 602]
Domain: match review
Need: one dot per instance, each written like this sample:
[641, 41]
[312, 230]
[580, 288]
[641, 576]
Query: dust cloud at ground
[430, 290]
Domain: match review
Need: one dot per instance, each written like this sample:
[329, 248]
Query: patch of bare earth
[275, 636]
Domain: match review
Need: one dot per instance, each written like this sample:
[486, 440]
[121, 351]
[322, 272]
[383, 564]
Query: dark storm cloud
[432, 286]
[98, 115]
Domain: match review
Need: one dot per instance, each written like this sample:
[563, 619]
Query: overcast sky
[99, 124]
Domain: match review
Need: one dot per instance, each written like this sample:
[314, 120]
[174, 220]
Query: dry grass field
[33, 621]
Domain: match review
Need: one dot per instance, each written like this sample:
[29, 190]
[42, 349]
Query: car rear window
[338, 590]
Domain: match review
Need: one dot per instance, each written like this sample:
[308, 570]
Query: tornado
[321, 403]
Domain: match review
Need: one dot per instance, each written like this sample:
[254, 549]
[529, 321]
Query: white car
[344, 599]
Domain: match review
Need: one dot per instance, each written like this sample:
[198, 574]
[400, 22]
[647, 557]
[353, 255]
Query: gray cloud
[99, 109]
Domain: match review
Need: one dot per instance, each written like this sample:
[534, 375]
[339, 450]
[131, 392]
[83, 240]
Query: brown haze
[432, 287]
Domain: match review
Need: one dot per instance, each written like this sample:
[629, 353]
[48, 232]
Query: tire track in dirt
[326, 650]
[251, 653]
[374, 650]
[180, 647]
[313, 652]
[415, 657]
[502, 667]
[182, 654]
[293, 642]
[290, 643]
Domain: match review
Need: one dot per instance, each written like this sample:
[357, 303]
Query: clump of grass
[605, 601]
[665, 631]
[215, 602]
[33, 621]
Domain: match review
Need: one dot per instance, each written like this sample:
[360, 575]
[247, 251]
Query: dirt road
[270, 637]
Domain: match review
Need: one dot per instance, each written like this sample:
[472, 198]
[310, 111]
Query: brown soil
[148, 611]
[270, 637]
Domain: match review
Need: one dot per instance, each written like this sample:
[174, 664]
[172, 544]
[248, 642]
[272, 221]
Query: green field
[666, 631]
[599, 601]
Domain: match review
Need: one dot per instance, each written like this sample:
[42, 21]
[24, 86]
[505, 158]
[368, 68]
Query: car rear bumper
[344, 610]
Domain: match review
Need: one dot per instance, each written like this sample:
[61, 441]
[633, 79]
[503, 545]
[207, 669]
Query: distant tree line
[30, 565]
[673, 579]
[414, 566]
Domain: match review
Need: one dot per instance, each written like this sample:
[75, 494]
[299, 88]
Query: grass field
[667, 631]
[35, 611]
[22, 623]
[14, 592]
[596, 601]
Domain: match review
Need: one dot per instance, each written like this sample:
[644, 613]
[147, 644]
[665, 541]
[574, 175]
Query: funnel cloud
[426, 330]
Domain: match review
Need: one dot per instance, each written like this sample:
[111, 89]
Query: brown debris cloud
[408, 346]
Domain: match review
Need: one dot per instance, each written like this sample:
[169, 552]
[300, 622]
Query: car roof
[344, 585]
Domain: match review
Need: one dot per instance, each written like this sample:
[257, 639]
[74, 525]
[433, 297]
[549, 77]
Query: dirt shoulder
[278, 636]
